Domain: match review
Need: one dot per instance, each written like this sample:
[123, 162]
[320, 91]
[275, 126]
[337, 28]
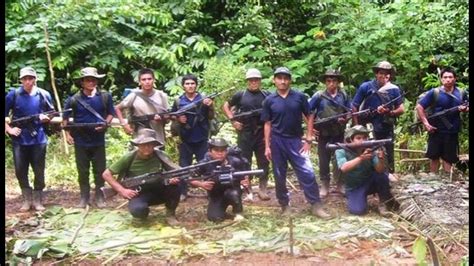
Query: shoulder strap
[105, 100]
[45, 99]
[167, 163]
[88, 107]
[146, 100]
[129, 164]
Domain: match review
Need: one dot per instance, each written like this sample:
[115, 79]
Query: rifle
[442, 116]
[26, 121]
[226, 176]
[195, 104]
[245, 115]
[163, 115]
[373, 144]
[85, 125]
[183, 173]
[385, 105]
[325, 120]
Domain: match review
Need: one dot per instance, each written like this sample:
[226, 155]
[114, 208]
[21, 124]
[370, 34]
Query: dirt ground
[365, 253]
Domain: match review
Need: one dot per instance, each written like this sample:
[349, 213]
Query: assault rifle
[26, 121]
[442, 116]
[373, 144]
[226, 176]
[195, 104]
[184, 173]
[245, 115]
[85, 125]
[163, 115]
[334, 118]
[385, 105]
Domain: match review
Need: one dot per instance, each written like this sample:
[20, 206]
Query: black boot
[37, 200]
[26, 193]
[171, 218]
[99, 198]
[85, 196]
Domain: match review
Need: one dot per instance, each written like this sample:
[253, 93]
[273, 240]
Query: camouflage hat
[332, 73]
[383, 65]
[218, 142]
[27, 71]
[357, 129]
[253, 73]
[146, 135]
[90, 72]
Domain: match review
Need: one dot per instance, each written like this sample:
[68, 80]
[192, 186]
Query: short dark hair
[189, 76]
[449, 70]
[144, 71]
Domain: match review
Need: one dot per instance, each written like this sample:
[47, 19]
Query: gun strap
[88, 107]
[167, 162]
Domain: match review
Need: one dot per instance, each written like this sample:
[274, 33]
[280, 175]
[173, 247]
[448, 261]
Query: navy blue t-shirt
[445, 101]
[28, 104]
[374, 96]
[286, 114]
[197, 125]
[89, 137]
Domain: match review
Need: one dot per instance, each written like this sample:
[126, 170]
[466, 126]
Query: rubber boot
[85, 196]
[323, 192]
[317, 210]
[99, 198]
[26, 193]
[37, 200]
[262, 190]
[171, 218]
[340, 187]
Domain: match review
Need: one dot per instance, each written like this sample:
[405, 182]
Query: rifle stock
[244, 115]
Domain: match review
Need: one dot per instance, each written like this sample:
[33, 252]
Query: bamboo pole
[53, 85]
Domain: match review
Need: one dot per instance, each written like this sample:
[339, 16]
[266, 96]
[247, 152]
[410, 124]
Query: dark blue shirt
[445, 101]
[286, 114]
[319, 103]
[28, 104]
[196, 128]
[88, 137]
[374, 97]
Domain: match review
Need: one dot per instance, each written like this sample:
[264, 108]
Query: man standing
[223, 195]
[142, 101]
[29, 138]
[194, 125]
[283, 113]
[89, 105]
[324, 104]
[442, 138]
[250, 129]
[146, 159]
[373, 95]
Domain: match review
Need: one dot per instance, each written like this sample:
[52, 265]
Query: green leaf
[29, 247]
[419, 250]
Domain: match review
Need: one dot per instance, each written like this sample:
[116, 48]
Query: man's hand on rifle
[429, 127]
[100, 128]
[464, 108]
[342, 120]
[382, 110]
[128, 193]
[366, 155]
[237, 125]
[174, 181]
[208, 101]
[380, 154]
[205, 184]
[44, 118]
[128, 129]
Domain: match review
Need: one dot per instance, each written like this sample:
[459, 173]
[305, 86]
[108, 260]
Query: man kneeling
[364, 173]
[222, 195]
[145, 159]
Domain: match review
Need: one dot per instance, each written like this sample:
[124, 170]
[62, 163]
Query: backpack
[430, 109]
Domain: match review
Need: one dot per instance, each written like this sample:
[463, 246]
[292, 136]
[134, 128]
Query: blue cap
[282, 70]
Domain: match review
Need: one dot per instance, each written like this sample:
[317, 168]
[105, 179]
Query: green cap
[357, 129]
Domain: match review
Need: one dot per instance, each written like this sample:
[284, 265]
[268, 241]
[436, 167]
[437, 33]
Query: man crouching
[221, 194]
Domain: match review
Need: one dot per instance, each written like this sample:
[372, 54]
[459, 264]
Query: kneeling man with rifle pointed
[223, 182]
[362, 164]
[146, 159]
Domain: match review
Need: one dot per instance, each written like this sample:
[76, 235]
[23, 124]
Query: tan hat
[146, 135]
[27, 71]
[253, 73]
[90, 72]
[384, 65]
[357, 129]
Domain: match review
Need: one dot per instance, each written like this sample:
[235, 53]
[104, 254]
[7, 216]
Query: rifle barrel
[363, 144]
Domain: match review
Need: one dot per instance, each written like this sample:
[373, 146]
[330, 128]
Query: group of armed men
[269, 126]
